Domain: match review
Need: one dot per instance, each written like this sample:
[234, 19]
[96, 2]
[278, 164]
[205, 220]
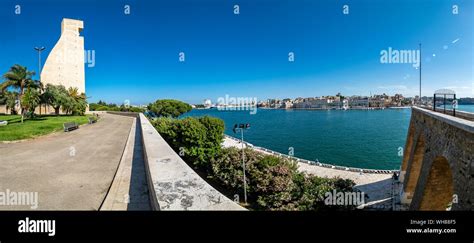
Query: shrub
[191, 139]
[274, 183]
[30, 100]
[169, 108]
[167, 129]
[273, 179]
[199, 138]
[227, 167]
[309, 191]
[269, 179]
[214, 135]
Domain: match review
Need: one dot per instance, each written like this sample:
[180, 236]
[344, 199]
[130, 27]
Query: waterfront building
[287, 104]
[345, 104]
[397, 100]
[298, 100]
[207, 103]
[378, 101]
[274, 103]
[305, 103]
[262, 104]
[358, 102]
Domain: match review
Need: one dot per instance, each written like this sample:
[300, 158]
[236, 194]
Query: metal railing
[316, 163]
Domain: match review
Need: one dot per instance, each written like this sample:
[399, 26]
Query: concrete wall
[173, 185]
[4, 110]
[65, 62]
[436, 142]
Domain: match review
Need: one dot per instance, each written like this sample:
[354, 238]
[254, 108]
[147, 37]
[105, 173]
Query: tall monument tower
[65, 63]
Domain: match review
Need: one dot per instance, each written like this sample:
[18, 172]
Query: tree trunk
[56, 110]
[19, 103]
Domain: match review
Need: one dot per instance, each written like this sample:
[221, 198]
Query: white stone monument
[65, 63]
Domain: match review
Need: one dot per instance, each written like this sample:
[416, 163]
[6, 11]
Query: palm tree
[11, 101]
[30, 100]
[73, 93]
[43, 100]
[55, 96]
[78, 100]
[19, 77]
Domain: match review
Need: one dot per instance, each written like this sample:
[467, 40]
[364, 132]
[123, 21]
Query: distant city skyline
[137, 55]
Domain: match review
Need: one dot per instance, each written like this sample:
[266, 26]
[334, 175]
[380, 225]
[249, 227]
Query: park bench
[92, 119]
[69, 126]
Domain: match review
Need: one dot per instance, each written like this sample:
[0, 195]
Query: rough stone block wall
[449, 138]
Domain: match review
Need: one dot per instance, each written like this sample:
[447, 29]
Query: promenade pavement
[69, 171]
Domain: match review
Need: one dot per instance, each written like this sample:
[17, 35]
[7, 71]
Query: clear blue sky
[246, 55]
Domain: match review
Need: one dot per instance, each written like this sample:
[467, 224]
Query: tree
[198, 139]
[9, 99]
[12, 101]
[75, 103]
[169, 108]
[68, 105]
[3, 98]
[55, 95]
[30, 100]
[18, 77]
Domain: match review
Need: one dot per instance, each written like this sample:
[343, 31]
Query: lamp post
[39, 50]
[242, 127]
[420, 73]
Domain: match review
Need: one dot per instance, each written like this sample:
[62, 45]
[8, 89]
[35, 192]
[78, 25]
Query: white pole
[420, 74]
[243, 166]
[39, 65]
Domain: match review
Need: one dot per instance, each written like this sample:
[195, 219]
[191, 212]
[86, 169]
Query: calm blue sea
[469, 108]
[358, 138]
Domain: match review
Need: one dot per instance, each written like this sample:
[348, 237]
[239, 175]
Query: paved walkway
[70, 171]
[129, 190]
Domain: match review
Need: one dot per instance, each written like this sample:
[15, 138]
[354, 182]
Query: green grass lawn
[15, 130]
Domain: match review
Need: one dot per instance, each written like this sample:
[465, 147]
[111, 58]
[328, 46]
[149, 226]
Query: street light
[242, 127]
[420, 73]
[39, 50]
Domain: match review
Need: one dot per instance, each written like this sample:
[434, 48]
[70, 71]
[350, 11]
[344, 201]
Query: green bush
[214, 135]
[30, 100]
[269, 179]
[169, 108]
[309, 191]
[167, 129]
[227, 167]
[103, 106]
[199, 138]
[274, 183]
